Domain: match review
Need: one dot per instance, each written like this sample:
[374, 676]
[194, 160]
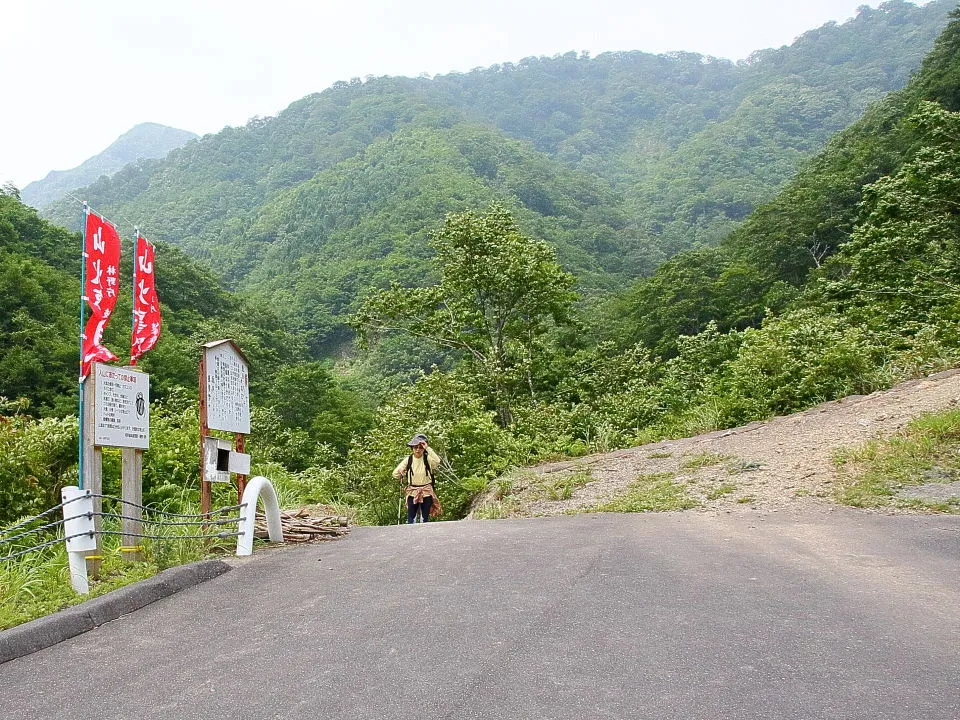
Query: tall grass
[926, 450]
[38, 583]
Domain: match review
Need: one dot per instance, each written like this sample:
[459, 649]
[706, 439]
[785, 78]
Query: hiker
[417, 471]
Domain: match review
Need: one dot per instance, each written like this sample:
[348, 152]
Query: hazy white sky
[77, 75]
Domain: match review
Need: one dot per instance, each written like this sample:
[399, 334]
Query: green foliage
[171, 467]
[37, 457]
[651, 493]
[498, 293]
[311, 486]
[39, 303]
[924, 451]
[307, 398]
[796, 361]
[898, 272]
[464, 433]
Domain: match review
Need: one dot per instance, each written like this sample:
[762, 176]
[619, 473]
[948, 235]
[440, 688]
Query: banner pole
[83, 301]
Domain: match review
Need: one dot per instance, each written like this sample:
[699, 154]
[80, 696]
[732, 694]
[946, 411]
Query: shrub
[796, 361]
[36, 460]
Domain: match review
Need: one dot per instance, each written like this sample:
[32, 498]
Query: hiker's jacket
[418, 473]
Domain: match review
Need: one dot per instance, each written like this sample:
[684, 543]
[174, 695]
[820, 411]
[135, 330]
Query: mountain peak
[146, 140]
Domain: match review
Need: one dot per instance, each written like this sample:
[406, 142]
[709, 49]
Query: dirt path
[773, 465]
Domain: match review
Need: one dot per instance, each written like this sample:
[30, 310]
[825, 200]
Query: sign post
[224, 405]
[116, 413]
[91, 458]
[123, 420]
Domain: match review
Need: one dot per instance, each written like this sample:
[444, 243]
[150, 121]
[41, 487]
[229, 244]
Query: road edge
[72, 621]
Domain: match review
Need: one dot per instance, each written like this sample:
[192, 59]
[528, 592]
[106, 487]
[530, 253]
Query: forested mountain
[39, 315]
[619, 161]
[146, 140]
[456, 252]
[765, 264]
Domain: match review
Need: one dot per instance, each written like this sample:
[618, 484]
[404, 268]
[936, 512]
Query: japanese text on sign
[122, 408]
[228, 394]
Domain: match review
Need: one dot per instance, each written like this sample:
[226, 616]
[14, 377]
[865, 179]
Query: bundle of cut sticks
[302, 526]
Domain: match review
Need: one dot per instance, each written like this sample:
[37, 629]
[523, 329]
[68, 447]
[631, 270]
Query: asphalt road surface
[829, 615]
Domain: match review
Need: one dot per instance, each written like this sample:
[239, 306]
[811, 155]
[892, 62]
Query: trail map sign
[122, 408]
[227, 388]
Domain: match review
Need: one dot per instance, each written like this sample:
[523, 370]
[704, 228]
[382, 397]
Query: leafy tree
[498, 295]
[473, 446]
[307, 396]
[795, 361]
[900, 270]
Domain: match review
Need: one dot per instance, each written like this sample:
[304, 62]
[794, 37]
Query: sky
[78, 75]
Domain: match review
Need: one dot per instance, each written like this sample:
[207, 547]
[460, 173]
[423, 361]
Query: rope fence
[55, 541]
[81, 534]
[205, 520]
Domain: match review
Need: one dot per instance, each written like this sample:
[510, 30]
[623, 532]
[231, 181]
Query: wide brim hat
[417, 439]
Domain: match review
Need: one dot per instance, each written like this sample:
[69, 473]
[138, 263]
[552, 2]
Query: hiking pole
[400, 506]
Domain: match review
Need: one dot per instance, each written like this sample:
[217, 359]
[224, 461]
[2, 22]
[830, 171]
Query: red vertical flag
[146, 305]
[101, 253]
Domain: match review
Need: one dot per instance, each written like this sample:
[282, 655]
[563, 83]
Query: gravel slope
[782, 463]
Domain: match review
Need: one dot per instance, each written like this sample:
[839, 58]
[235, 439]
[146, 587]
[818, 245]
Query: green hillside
[619, 161]
[146, 140]
[481, 274]
[39, 316]
[764, 264]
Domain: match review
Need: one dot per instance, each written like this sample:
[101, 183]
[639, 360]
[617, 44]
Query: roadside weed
[658, 492]
[721, 490]
[926, 450]
[702, 460]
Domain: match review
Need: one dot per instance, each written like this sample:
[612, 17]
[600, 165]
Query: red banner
[102, 264]
[146, 306]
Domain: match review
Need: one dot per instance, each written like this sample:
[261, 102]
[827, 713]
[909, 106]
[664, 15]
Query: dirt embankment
[782, 463]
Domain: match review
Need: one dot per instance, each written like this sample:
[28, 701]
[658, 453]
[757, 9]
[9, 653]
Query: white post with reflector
[78, 530]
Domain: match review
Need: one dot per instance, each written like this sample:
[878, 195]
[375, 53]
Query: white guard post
[78, 520]
[248, 514]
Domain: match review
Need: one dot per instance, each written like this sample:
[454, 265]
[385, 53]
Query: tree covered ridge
[764, 264]
[843, 283]
[677, 149]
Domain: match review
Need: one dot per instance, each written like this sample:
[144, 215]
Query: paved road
[678, 616]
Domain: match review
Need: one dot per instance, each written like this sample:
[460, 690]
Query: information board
[228, 389]
[121, 408]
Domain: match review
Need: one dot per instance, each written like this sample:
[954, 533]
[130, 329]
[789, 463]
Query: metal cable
[45, 512]
[171, 524]
[57, 523]
[46, 544]
[4, 541]
[173, 537]
[170, 514]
